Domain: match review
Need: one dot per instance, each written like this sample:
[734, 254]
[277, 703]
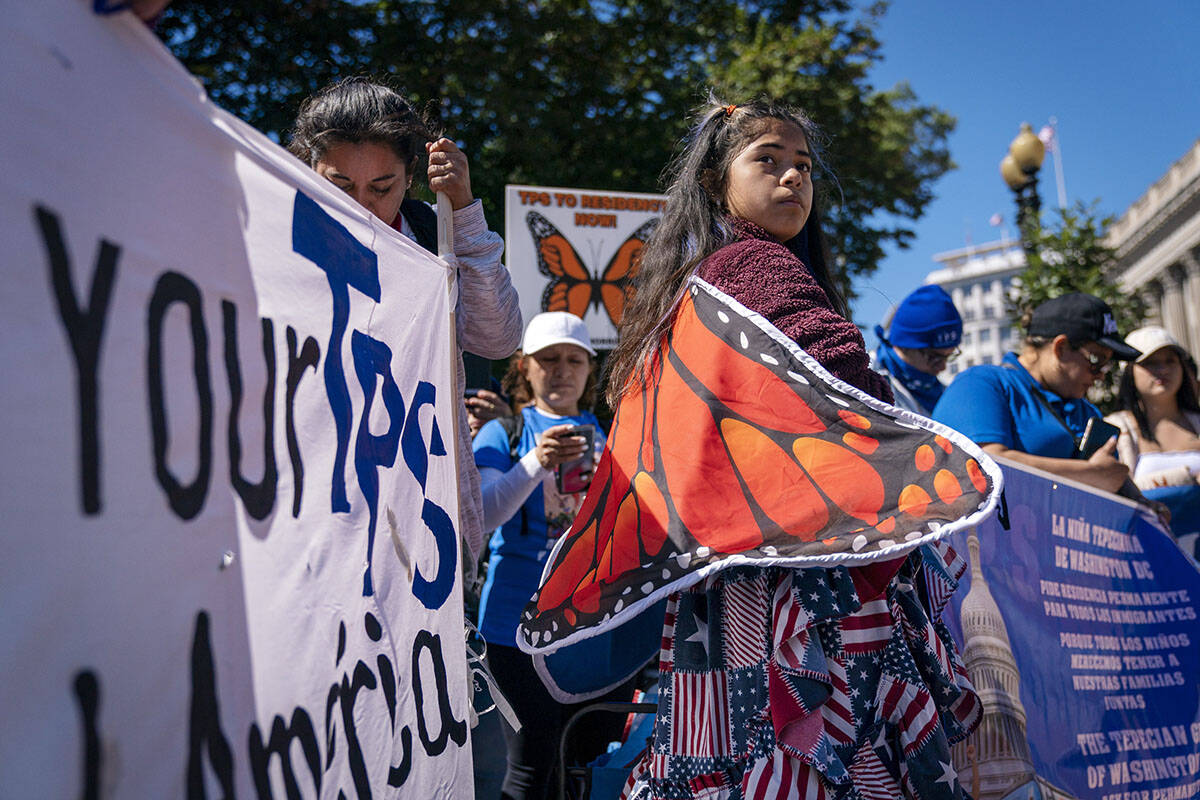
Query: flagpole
[445, 245]
[1059, 182]
[997, 221]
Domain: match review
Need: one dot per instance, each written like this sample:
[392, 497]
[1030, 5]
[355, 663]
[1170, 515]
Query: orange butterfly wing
[571, 286]
[738, 446]
[616, 282]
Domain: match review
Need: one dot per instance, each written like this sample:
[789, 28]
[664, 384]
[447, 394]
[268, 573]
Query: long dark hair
[695, 225]
[358, 110]
[1131, 400]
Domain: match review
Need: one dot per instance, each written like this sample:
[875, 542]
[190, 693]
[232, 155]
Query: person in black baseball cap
[1081, 318]
[1031, 407]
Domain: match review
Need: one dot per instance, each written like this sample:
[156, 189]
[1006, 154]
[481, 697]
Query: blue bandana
[926, 389]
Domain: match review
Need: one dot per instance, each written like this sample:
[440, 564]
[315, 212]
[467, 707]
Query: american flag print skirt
[807, 684]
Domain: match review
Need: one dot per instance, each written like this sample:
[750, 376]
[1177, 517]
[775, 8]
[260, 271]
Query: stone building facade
[978, 279]
[1158, 248]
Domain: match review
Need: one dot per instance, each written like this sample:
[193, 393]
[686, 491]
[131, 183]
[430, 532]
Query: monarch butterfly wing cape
[742, 450]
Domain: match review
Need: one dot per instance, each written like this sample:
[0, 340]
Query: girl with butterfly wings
[775, 681]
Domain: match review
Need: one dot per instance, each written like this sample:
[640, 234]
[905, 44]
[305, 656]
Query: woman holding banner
[1160, 430]
[368, 140]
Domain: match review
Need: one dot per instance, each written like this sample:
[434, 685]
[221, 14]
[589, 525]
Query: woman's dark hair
[518, 388]
[358, 110]
[1130, 400]
[696, 225]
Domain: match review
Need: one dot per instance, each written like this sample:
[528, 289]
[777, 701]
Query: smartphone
[1096, 435]
[575, 476]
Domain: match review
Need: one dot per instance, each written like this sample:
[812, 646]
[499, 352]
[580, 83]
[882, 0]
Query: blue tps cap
[926, 318]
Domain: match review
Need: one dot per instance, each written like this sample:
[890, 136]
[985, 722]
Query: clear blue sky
[1123, 80]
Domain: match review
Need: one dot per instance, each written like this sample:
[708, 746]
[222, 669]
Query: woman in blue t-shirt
[551, 380]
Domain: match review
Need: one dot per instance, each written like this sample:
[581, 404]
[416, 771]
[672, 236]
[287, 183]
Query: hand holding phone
[575, 475]
[1096, 435]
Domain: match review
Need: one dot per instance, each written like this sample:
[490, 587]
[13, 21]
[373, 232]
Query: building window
[966, 340]
[953, 369]
[986, 360]
[985, 335]
[968, 314]
[989, 312]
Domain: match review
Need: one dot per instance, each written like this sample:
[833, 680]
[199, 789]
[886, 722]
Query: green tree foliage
[259, 59]
[1071, 255]
[590, 93]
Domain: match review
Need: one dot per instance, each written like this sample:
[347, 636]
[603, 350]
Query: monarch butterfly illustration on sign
[573, 287]
[739, 448]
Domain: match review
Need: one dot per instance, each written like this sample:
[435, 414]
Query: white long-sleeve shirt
[489, 325]
[503, 493]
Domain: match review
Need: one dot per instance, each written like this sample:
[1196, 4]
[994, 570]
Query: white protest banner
[228, 484]
[575, 250]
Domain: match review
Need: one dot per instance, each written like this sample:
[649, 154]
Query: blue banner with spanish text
[1078, 627]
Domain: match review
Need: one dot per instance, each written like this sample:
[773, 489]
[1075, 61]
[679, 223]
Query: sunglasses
[936, 354]
[1097, 364]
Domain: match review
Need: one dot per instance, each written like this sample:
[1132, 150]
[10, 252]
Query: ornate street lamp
[1019, 169]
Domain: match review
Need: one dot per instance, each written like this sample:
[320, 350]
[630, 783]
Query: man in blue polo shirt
[1031, 408]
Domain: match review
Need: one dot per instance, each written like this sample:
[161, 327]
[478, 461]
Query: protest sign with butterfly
[577, 250]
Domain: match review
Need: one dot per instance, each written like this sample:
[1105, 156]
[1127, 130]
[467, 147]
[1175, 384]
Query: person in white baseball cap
[1160, 429]
[551, 382]
[555, 327]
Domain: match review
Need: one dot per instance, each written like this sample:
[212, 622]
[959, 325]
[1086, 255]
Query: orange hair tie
[729, 109]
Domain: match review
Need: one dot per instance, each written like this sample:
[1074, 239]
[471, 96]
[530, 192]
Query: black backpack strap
[514, 426]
